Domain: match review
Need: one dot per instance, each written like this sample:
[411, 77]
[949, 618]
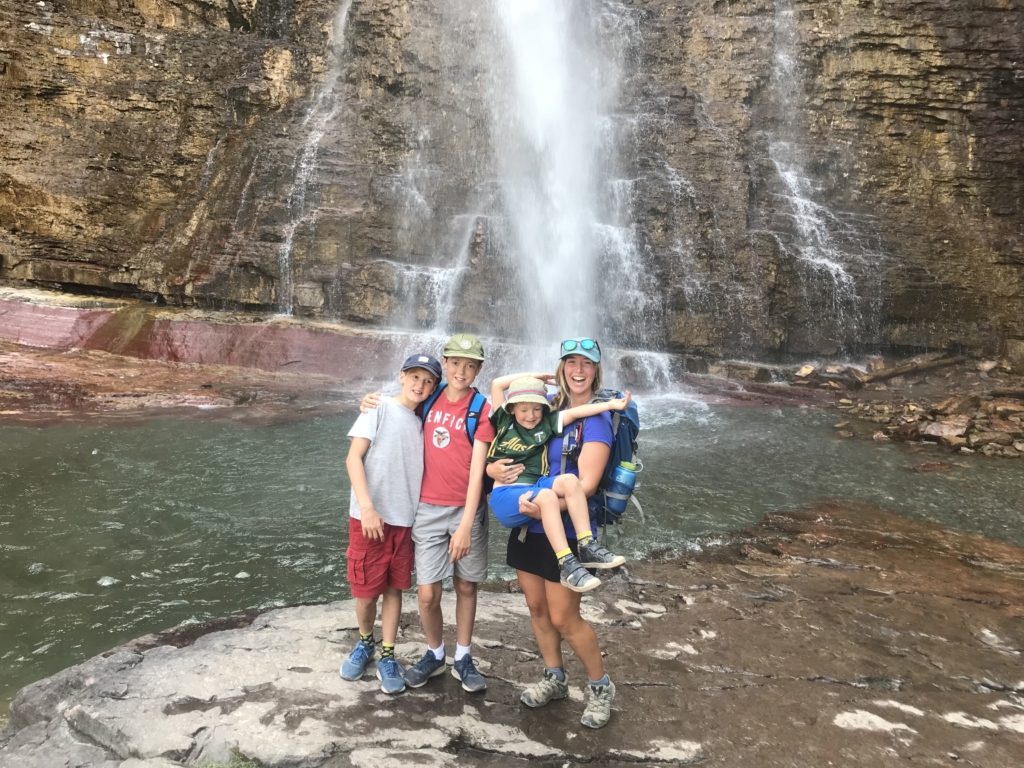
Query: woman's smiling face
[579, 374]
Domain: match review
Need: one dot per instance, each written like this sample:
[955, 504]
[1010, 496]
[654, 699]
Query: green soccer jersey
[524, 446]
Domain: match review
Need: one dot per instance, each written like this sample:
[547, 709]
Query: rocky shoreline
[966, 405]
[836, 635]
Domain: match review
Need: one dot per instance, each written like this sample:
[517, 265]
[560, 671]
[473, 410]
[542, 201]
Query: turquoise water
[188, 520]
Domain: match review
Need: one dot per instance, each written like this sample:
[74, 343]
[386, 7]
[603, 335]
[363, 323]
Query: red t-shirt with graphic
[447, 451]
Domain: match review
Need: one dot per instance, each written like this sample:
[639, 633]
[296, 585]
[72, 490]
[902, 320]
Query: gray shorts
[432, 529]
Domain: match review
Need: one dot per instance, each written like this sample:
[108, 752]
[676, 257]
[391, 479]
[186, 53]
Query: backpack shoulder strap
[571, 447]
[429, 402]
[476, 406]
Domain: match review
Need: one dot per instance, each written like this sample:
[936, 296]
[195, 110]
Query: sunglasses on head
[587, 344]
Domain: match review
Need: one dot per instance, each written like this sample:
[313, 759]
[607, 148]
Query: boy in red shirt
[451, 525]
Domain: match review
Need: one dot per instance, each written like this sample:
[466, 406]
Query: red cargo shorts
[373, 565]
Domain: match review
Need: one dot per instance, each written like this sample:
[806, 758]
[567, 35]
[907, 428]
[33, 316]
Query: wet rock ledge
[838, 635]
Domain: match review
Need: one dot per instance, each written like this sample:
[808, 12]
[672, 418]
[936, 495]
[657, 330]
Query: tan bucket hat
[527, 390]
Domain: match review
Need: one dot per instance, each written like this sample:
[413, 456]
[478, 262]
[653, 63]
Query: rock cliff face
[804, 176]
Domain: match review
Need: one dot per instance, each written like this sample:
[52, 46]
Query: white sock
[438, 652]
[461, 650]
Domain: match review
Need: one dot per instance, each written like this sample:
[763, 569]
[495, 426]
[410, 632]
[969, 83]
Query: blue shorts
[505, 502]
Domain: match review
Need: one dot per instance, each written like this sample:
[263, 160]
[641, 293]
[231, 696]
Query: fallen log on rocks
[1015, 393]
[903, 370]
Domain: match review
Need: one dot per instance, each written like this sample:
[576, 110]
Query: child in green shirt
[523, 423]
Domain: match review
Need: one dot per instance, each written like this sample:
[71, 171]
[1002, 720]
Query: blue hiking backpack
[625, 429]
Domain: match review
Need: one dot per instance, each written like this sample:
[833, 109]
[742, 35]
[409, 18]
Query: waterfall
[314, 125]
[840, 268]
[550, 96]
[544, 244]
[555, 225]
[814, 244]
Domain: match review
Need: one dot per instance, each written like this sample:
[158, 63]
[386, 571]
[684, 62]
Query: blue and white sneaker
[465, 670]
[357, 662]
[391, 676]
[424, 669]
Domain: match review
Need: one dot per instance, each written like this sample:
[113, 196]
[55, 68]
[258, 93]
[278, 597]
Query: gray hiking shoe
[577, 578]
[424, 669]
[593, 555]
[548, 689]
[465, 670]
[599, 706]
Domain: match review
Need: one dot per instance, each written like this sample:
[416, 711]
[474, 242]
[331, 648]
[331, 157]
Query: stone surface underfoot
[841, 635]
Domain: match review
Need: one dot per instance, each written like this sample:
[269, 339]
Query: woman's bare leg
[564, 611]
[548, 640]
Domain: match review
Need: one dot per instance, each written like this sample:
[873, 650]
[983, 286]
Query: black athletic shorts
[535, 555]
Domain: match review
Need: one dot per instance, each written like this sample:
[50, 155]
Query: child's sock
[387, 650]
[597, 683]
[367, 639]
[565, 553]
[460, 651]
[438, 652]
[583, 538]
[558, 672]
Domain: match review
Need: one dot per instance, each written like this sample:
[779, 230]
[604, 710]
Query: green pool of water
[107, 533]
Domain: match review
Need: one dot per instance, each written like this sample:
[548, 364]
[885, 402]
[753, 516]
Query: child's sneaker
[357, 662]
[424, 669]
[593, 555]
[466, 671]
[599, 707]
[548, 689]
[576, 577]
[389, 672]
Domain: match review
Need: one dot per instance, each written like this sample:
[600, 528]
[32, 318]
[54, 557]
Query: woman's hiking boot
[593, 555]
[548, 689]
[574, 576]
[599, 705]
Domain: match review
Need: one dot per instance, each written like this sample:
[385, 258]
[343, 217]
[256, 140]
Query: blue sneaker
[357, 662]
[466, 671]
[424, 669]
[390, 674]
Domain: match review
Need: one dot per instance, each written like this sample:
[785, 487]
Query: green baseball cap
[464, 345]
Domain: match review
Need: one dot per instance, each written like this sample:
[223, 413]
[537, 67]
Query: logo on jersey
[442, 437]
[541, 436]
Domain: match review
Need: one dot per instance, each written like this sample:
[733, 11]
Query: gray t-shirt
[393, 463]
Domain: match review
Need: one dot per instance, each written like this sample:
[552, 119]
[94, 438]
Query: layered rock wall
[262, 154]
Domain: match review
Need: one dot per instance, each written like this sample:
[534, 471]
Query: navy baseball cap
[426, 362]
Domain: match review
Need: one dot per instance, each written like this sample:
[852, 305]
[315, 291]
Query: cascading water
[314, 125]
[835, 256]
[564, 256]
[547, 103]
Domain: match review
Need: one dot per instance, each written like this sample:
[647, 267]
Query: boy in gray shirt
[385, 468]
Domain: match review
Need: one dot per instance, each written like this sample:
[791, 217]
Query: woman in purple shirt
[555, 609]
